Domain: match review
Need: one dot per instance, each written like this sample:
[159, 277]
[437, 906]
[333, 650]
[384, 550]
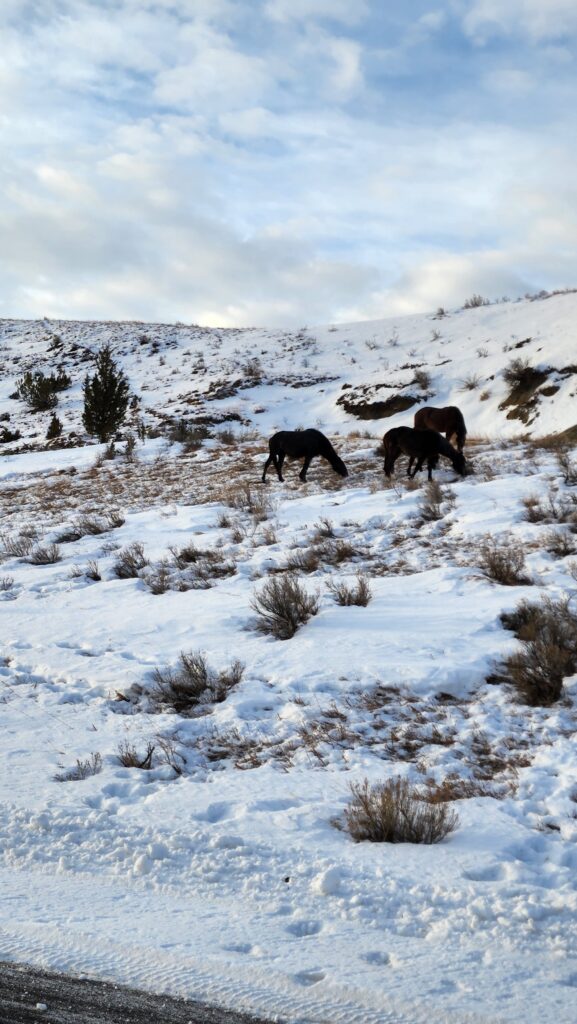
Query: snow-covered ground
[221, 872]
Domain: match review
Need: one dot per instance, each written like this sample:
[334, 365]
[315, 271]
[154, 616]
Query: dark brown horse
[420, 445]
[301, 444]
[448, 421]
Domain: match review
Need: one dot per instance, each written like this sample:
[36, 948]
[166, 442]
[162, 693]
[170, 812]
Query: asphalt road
[29, 996]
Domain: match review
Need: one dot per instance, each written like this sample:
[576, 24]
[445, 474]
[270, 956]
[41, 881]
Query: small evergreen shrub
[54, 428]
[105, 397]
[39, 391]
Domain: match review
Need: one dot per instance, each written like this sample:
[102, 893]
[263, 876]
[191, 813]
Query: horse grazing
[448, 421]
[299, 444]
[420, 445]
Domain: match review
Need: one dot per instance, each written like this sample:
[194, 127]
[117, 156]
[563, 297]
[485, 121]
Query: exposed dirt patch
[364, 410]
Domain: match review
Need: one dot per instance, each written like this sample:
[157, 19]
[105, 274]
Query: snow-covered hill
[204, 850]
[333, 377]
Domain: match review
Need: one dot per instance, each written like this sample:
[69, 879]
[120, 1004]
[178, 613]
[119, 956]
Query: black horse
[299, 444]
[420, 445]
[448, 421]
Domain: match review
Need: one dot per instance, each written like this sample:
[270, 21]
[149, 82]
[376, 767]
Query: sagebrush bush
[423, 379]
[395, 812]
[548, 653]
[520, 375]
[475, 301]
[282, 605]
[193, 682]
[503, 562]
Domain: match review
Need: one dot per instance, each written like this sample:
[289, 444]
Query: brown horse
[448, 421]
[420, 445]
[301, 444]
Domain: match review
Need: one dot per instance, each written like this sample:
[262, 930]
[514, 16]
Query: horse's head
[459, 464]
[339, 467]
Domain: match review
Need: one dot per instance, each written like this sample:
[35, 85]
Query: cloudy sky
[241, 162]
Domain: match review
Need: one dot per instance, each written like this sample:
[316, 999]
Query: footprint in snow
[302, 929]
[377, 958]
[308, 978]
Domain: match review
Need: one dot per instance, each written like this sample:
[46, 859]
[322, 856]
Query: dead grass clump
[130, 561]
[82, 769]
[129, 757]
[454, 788]
[282, 605]
[548, 635]
[324, 529]
[248, 497]
[433, 499]
[568, 468]
[396, 812]
[43, 554]
[345, 595]
[504, 563]
[18, 545]
[470, 382]
[304, 560]
[552, 509]
[193, 682]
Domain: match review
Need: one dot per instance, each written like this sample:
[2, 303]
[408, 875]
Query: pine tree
[105, 397]
[54, 428]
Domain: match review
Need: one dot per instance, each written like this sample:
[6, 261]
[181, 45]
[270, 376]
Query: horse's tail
[420, 420]
[460, 429]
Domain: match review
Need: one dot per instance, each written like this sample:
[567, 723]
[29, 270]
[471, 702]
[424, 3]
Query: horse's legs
[411, 460]
[278, 465]
[266, 465]
[303, 472]
[418, 466]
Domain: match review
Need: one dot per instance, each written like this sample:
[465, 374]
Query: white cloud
[537, 19]
[347, 12]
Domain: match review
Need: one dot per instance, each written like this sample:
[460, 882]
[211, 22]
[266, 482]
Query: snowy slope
[221, 872]
[277, 379]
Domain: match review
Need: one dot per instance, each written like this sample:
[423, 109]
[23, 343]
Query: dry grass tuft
[82, 769]
[345, 595]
